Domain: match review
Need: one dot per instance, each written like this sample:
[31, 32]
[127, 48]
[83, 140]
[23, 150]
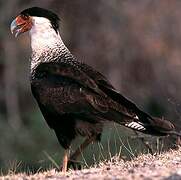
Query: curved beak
[15, 29]
[20, 25]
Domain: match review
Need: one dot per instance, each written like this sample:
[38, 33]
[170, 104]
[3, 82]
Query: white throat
[43, 36]
[46, 42]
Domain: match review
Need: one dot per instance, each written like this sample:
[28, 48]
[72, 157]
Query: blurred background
[136, 44]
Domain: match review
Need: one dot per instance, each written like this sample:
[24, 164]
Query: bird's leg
[72, 160]
[65, 160]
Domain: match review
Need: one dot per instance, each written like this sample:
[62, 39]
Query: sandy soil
[165, 166]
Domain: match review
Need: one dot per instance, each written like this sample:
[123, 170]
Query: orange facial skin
[21, 24]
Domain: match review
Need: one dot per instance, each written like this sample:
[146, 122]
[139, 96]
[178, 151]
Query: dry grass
[162, 166]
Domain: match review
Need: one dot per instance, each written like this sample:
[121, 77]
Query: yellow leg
[65, 161]
[73, 157]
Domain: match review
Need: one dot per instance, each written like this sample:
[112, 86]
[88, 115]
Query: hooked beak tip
[14, 28]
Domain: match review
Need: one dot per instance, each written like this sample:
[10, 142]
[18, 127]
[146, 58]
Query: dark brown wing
[144, 122]
[66, 89]
[70, 72]
[82, 91]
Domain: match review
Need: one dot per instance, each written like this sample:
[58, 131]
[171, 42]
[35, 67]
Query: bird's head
[32, 17]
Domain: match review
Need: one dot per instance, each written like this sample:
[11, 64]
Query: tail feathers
[152, 126]
[161, 124]
[142, 121]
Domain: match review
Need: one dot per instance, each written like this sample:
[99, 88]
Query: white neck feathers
[46, 42]
[43, 36]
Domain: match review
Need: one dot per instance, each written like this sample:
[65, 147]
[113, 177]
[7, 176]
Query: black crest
[40, 12]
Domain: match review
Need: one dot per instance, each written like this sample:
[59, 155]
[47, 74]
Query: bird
[74, 98]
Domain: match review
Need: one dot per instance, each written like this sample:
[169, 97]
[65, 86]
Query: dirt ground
[165, 166]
